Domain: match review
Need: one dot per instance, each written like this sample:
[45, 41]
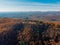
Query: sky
[29, 5]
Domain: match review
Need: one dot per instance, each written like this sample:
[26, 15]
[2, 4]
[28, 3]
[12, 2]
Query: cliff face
[30, 32]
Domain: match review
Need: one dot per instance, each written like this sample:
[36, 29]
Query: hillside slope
[28, 32]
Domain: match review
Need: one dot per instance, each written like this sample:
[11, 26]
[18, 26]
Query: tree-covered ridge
[28, 32]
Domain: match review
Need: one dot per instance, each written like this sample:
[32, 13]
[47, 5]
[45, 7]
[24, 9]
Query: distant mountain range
[50, 15]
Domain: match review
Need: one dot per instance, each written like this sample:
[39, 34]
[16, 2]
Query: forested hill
[28, 32]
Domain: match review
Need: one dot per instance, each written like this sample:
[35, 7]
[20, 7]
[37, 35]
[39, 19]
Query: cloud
[27, 6]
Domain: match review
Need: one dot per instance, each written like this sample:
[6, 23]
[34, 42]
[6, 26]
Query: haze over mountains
[50, 15]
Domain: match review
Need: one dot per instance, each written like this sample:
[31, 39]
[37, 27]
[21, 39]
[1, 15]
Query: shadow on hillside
[10, 37]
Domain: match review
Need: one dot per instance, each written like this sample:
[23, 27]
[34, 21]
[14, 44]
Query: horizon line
[33, 11]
